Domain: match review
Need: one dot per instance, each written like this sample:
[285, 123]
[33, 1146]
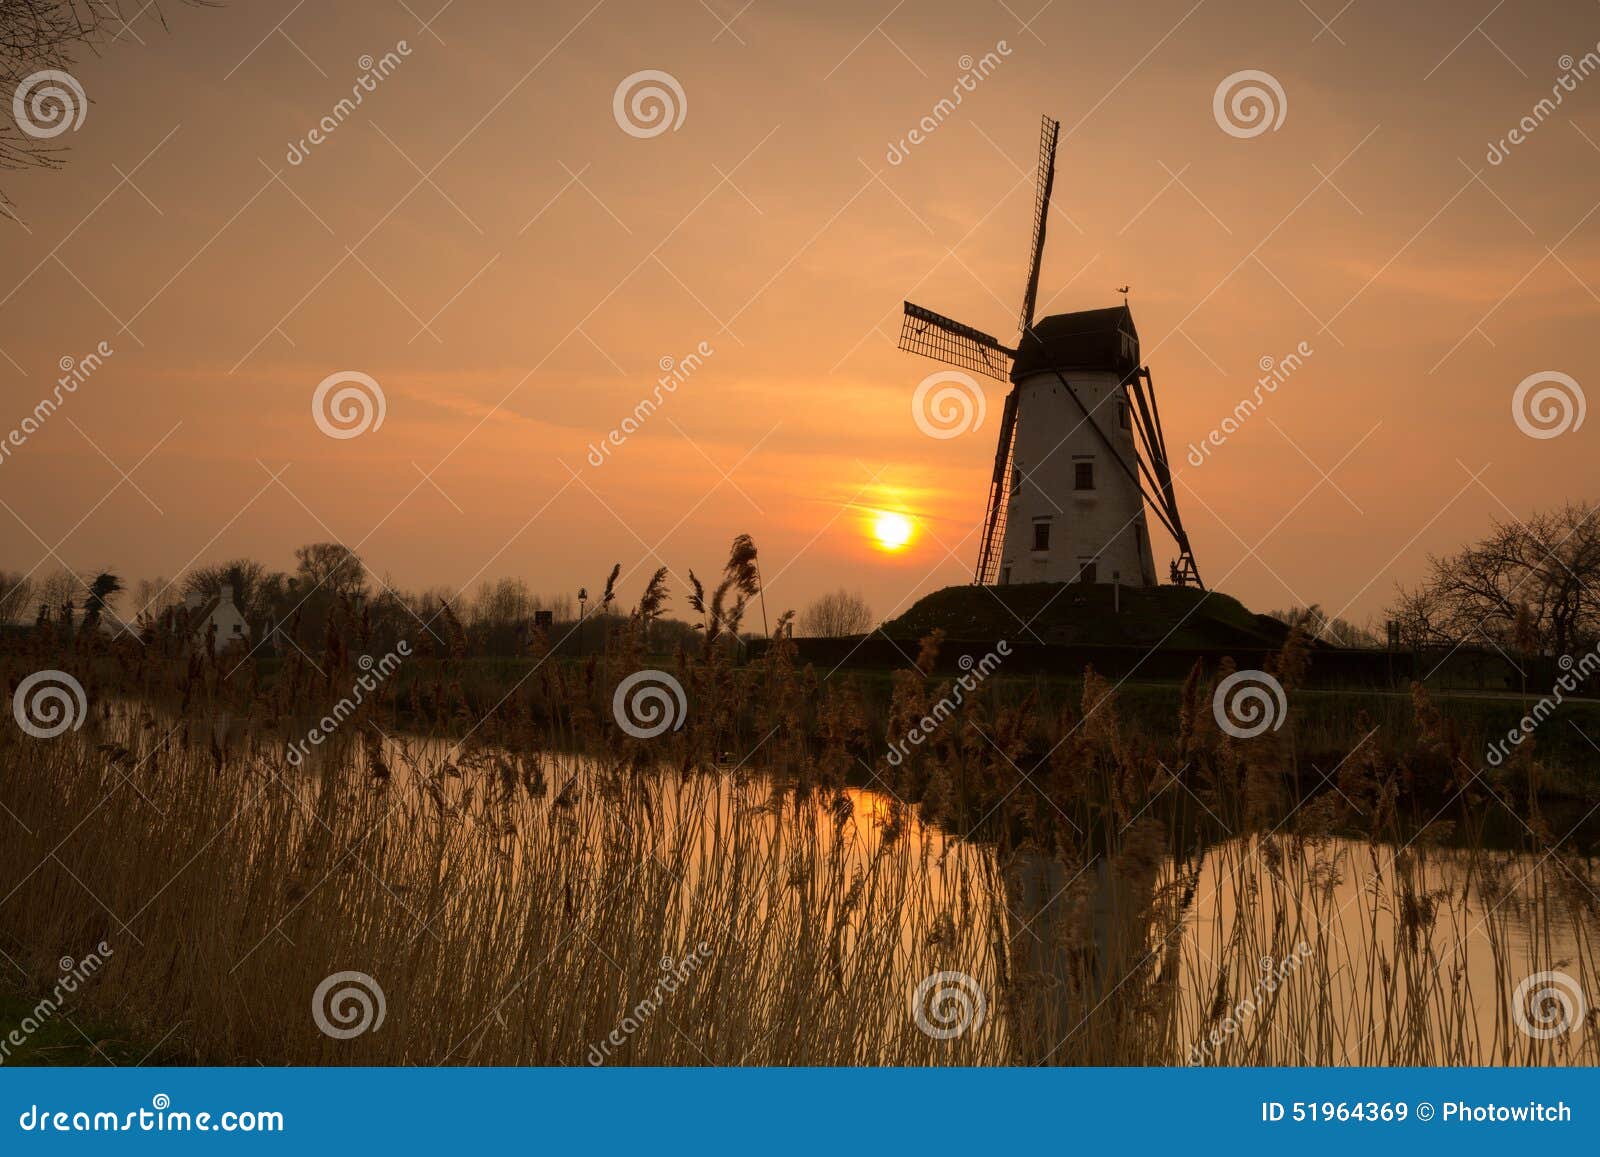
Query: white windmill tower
[1081, 447]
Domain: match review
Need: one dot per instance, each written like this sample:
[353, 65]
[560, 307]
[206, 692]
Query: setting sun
[893, 531]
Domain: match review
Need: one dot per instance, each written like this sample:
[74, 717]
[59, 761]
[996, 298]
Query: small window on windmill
[1086, 570]
[1005, 576]
[1124, 418]
[1083, 474]
[1041, 535]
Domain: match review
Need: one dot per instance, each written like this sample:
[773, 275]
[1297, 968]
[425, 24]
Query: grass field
[71, 1038]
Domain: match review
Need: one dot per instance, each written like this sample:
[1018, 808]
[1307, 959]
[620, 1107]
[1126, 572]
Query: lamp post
[583, 602]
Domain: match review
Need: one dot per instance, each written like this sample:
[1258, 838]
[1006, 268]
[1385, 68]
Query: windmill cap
[1091, 339]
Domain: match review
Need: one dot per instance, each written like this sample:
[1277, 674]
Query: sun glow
[892, 531]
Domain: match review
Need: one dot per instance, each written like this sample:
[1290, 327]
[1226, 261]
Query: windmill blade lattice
[935, 336]
[1041, 216]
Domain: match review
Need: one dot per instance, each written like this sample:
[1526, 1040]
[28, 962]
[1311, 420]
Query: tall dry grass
[513, 910]
[518, 883]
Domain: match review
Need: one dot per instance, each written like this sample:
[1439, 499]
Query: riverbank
[67, 1037]
[537, 702]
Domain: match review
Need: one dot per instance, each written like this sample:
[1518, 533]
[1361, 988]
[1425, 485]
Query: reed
[534, 884]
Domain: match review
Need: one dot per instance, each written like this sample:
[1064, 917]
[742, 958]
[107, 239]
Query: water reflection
[1261, 949]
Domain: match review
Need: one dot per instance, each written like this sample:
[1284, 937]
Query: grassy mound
[1082, 614]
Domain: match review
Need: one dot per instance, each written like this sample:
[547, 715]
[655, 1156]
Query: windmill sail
[1046, 179]
[935, 336]
[994, 519]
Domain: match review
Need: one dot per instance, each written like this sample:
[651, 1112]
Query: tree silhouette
[50, 35]
[104, 587]
[836, 614]
[1532, 585]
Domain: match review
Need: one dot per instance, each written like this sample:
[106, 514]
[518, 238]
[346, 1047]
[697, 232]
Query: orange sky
[483, 239]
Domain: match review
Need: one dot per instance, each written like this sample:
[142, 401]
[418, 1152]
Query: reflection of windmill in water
[1081, 447]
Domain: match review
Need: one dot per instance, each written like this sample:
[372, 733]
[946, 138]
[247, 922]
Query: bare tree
[1420, 616]
[331, 567]
[1532, 586]
[1314, 621]
[840, 612]
[57, 589]
[257, 591]
[152, 596]
[424, 603]
[43, 36]
[16, 597]
[499, 617]
[501, 603]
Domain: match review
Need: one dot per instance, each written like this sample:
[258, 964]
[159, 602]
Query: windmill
[1081, 448]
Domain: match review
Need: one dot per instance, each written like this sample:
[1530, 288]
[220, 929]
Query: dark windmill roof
[1091, 339]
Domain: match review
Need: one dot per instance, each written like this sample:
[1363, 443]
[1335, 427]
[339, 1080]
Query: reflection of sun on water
[891, 531]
